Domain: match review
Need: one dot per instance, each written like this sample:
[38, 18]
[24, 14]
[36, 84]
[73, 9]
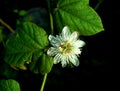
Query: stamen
[65, 47]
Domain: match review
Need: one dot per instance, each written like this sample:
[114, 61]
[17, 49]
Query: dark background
[95, 71]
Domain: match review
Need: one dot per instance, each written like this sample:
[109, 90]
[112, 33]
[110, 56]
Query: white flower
[66, 47]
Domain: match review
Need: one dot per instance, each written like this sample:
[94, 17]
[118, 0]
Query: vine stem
[51, 26]
[6, 25]
[50, 16]
[43, 83]
[51, 23]
[98, 4]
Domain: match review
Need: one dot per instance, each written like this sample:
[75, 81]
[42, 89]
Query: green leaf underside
[79, 16]
[26, 46]
[9, 85]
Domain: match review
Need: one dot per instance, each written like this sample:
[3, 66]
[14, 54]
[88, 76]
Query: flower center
[65, 47]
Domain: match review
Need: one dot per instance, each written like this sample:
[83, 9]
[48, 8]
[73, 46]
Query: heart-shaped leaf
[9, 85]
[78, 15]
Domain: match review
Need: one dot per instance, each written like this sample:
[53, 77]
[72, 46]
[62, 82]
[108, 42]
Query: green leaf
[70, 2]
[78, 15]
[2, 36]
[44, 64]
[9, 85]
[29, 43]
[7, 71]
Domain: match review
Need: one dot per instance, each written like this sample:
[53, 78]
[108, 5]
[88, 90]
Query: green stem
[51, 24]
[43, 83]
[98, 4]
[6, 25]
[50, 16]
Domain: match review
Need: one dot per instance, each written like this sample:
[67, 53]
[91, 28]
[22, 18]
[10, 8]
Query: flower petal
[53, 40]
[52, 51]
[57, 58]
[73, 59]
[79, 43]
[74, 36]
[64, 63]
[77, 51]
[65, 33]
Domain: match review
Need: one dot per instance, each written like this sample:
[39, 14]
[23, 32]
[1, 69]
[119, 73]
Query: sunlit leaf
[9, 85]
[78, 15]
[26, 46]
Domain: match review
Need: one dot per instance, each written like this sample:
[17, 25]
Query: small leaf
[78, 15]
[44, 64]
[9, 85]
[26, 45]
